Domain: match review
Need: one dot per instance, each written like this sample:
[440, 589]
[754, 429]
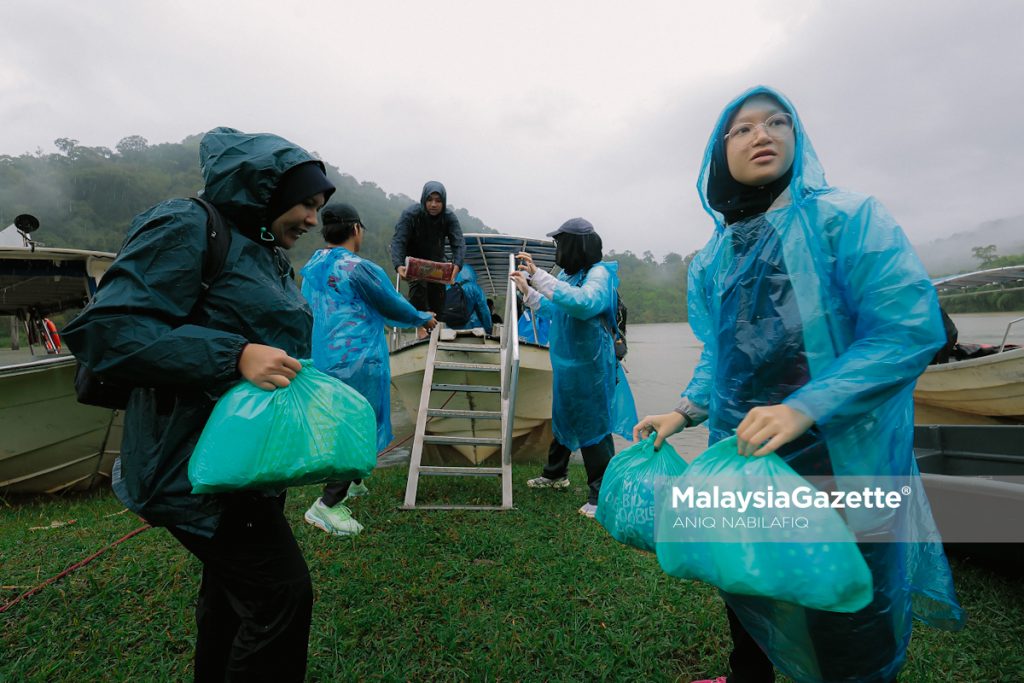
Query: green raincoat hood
[242, 170]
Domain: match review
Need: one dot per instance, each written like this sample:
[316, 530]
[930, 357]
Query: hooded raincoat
[591, 397]
[150, 326]
[480, 315]
[352, 301]
[821, 304]
[421, 235]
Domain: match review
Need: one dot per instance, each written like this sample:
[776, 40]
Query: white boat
[488, 254]
[48, 441]
[988, 390]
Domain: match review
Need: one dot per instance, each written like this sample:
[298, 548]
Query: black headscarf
[733, 199]
[574, 253]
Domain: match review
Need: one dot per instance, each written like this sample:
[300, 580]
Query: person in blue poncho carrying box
[352, 301]
[591, 397]
[816, 318]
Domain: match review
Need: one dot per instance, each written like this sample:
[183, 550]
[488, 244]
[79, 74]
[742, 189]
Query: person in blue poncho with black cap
[352, 300]
[591, 399]
[816, 317]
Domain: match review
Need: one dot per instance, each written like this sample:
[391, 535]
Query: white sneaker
[356, 490]
[545, 483]
[336, 520]
[588, 510]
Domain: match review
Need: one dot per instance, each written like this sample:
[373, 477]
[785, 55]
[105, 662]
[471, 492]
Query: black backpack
[456, 311]
[92, 389]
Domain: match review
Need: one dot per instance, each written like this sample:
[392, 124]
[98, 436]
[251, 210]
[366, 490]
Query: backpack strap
[218, 243]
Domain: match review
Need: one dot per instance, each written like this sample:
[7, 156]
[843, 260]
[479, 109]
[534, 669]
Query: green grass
[535, 594]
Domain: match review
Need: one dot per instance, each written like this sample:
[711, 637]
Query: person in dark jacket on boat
[151, 325]
[421, 232]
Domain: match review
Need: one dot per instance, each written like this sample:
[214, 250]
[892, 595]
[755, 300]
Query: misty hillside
[951, 255]
[86, 197]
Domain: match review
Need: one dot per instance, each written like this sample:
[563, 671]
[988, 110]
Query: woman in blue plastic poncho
[591, 398]
[816, 318]
[352, 300]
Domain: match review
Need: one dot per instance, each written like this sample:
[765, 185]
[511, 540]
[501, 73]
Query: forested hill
[86, 197]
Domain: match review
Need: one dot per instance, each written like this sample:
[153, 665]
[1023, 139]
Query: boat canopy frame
[488, 254]
[1008, 276]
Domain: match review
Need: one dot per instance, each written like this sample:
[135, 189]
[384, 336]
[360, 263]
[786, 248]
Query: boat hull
[48, 441]
[988, 390]
[531, 429]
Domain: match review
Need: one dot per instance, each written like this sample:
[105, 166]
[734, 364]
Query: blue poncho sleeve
[370, 282]
[583, 302]
[480, 306]
[898, 327]
[698, 391]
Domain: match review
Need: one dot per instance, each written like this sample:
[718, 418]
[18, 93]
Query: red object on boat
[429, 271]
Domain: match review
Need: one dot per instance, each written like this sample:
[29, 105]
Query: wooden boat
[488, 254]
[974, 478]
[979, 391]
[48, 441]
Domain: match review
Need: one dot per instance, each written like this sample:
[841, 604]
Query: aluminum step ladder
[508, 366]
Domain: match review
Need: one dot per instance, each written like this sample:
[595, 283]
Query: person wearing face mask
[591, 399]
[421, 232]
[151, 325]
[816, 318]
[352, 301]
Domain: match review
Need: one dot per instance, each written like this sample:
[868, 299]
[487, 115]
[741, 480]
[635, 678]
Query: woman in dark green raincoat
[152, 326]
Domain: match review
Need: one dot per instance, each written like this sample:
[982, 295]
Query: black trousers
[335, 492]
[256, 598]
[595, 459]
[847, 646]
[427, 296]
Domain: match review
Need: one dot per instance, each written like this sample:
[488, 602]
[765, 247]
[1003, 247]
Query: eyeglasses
[776, 125]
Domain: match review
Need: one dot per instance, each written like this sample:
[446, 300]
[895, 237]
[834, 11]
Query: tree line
[85, 198]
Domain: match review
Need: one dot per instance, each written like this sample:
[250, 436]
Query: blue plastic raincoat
[352, 300]
[526, 327]
[821, 304]
[480, 315]
[591, 397]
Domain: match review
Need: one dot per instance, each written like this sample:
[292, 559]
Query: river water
[662, 357]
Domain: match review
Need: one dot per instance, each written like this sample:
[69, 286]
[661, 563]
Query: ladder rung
[472, 388]
[468, 471]
[462, 440]
[468, 414]
[457, 507]
[475, 348]
[471, 367]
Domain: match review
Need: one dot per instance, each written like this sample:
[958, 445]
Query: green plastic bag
[634, 479]
[316, 429]
[758, 558]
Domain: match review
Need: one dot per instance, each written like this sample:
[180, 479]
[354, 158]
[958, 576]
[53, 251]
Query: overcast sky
[535, 112]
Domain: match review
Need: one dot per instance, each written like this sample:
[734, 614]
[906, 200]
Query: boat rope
[81, 563]
[409, 436]
[78, 565]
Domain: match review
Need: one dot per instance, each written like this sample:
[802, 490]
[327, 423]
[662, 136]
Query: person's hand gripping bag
[634, 478]
[316, 429]
[752, 552]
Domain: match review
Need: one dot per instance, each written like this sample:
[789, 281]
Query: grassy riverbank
[536, 594]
